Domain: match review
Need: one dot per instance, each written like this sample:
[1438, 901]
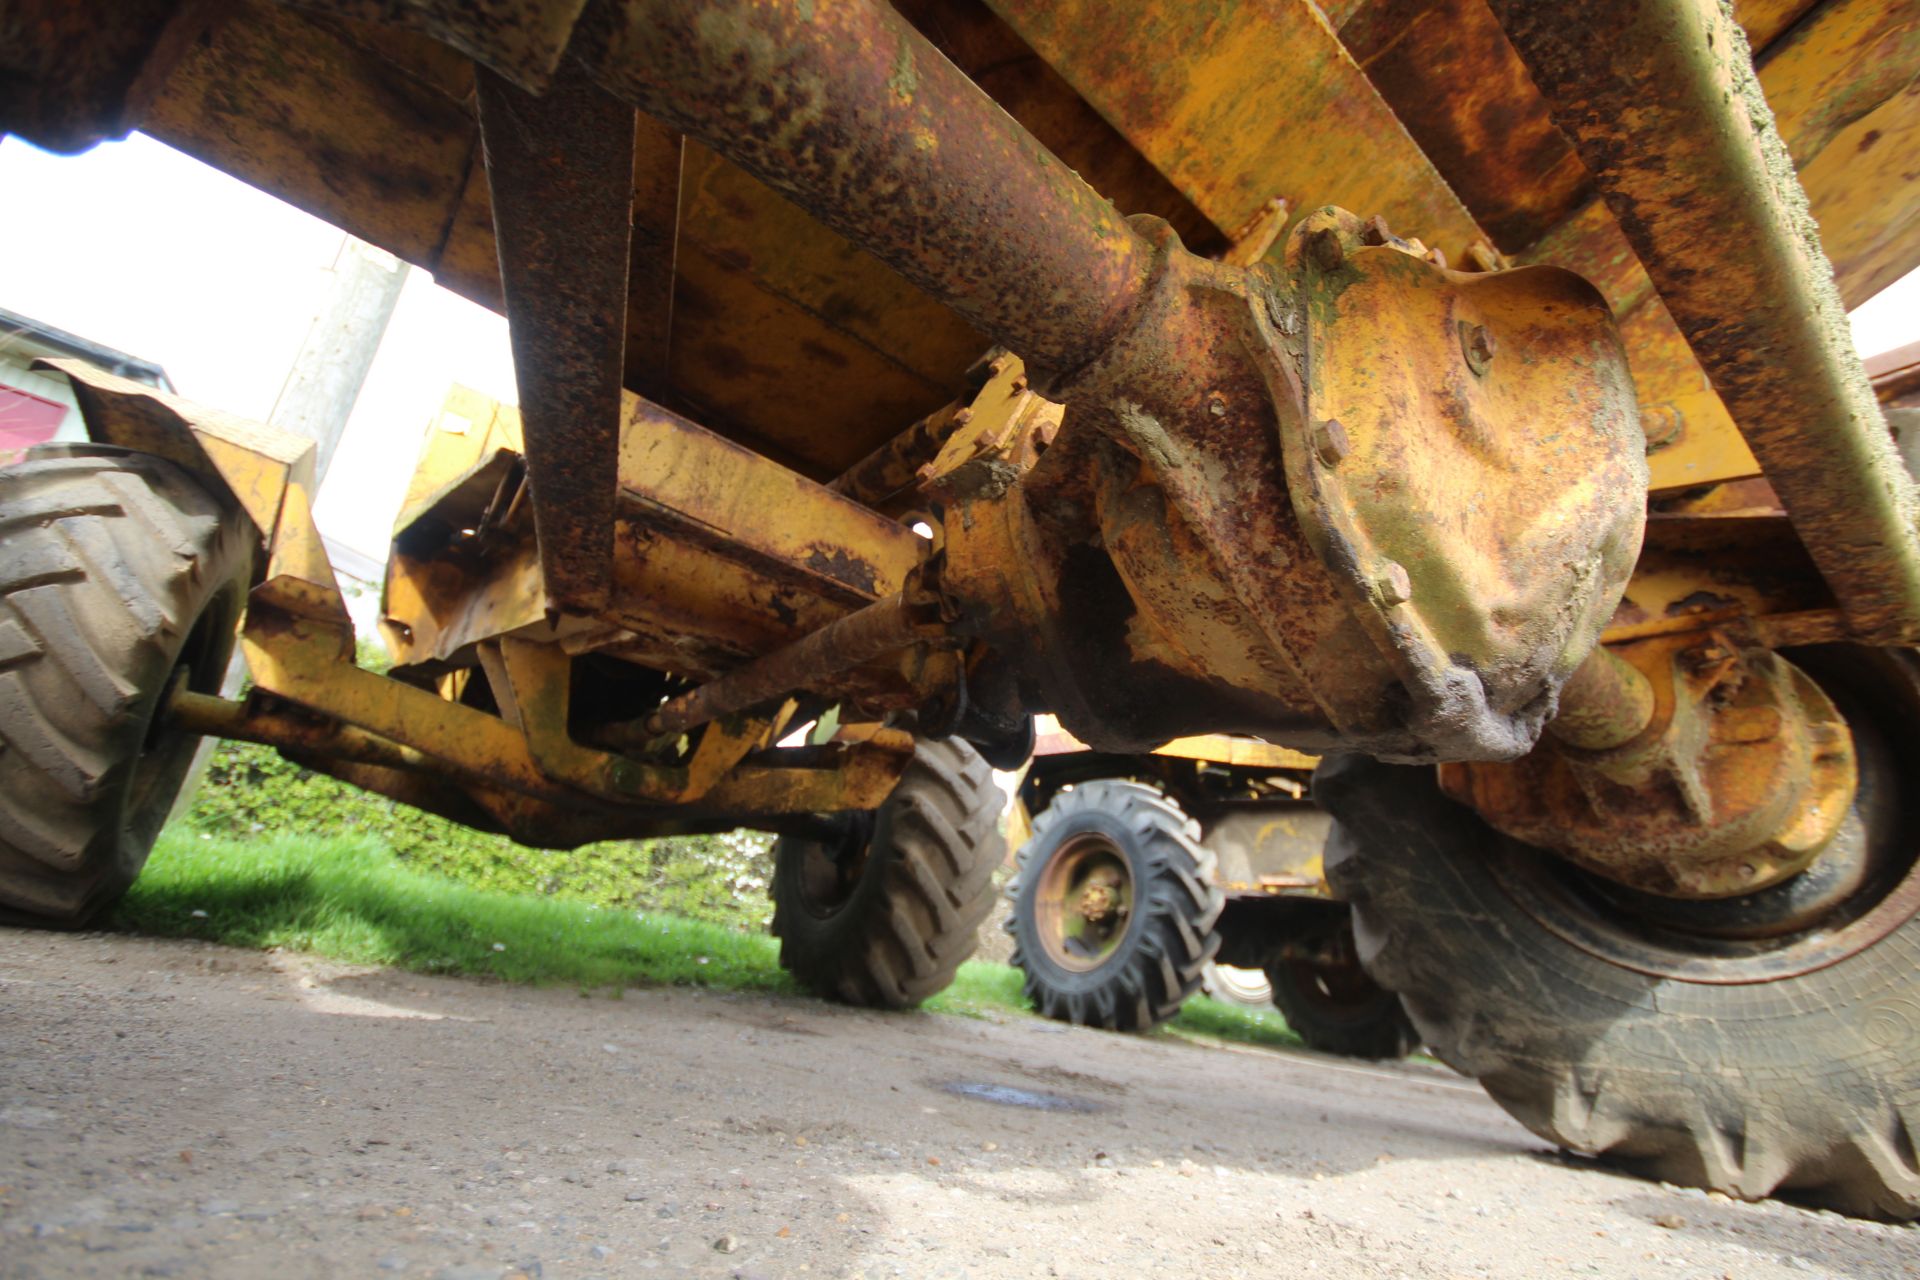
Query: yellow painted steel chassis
[518, 766]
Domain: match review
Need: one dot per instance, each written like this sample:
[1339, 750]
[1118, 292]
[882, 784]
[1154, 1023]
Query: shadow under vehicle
[1480, 402]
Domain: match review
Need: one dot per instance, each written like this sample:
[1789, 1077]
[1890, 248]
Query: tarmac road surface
[177, 1109]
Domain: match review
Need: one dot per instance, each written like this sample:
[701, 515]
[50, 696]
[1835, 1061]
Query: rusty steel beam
[560, 168]
[215, 717]
[863, 635]
[1661, 100]
[853, 114]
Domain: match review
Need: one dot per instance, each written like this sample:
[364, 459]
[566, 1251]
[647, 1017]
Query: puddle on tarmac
[1010, 1096]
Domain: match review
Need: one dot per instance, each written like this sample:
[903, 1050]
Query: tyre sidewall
[1750, 1088]
[824, 938]
[210, 598]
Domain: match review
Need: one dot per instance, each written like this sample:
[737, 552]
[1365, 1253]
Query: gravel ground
[174, 1109]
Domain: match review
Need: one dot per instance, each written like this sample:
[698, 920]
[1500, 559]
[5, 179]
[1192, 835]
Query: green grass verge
[348, 898]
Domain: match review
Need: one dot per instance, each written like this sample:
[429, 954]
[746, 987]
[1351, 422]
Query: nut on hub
[1741, 772]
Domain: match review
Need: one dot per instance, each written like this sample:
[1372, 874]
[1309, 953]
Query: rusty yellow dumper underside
[1441, 382]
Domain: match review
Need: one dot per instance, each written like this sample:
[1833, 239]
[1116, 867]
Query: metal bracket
[560, 168]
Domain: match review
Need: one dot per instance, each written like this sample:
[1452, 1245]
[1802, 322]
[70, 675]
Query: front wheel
[1660, 1034]
[879, 909]
[117, 570]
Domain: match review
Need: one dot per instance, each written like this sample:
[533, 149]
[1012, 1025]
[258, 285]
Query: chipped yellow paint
[1239, 103]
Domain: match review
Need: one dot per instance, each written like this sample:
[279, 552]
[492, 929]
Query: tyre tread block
[916, 916]
[1176, 902]
[1779, 1087]
[110, 556]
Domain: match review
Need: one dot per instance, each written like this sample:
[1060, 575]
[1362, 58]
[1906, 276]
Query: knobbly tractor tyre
[1665, 1035]
[1114, 907]
[879, 909]
[117, 569]
[1334, 1007]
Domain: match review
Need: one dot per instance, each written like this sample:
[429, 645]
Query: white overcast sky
[138, 247]
[141, 248]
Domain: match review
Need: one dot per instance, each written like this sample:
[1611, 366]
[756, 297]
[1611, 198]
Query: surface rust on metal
[1663, 104]
[852, 113]
[1742, 773]
[68, 80]
[1193, 552]
[310, 664]
[560, 175]
[653, 251]
[254, 463]
[701, 489]
[249, 721]
[907, 618]
[1454, 81]
[720, 553]
[1241, 103]
[1604, 704]
[521, 39]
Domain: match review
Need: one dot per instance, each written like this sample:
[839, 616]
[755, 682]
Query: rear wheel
[117, 569]
[879, 909]
[1114, 908]
[1334, 1007]
[1759, 1045]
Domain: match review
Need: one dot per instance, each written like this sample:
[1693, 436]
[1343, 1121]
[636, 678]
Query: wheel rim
[1084, 902]
[1241, 986]
[829, 871]
[1880, 696]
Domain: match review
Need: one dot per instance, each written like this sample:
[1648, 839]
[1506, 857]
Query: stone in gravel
[635, 1197]
[469, 1271]
[1671, 1221]
[601, 1251]
[726, 1244]
[393, 1262]
[220, 1206]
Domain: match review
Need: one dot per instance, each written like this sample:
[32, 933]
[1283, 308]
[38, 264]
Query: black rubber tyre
[116, 569]
[883, 917]
[1339, 1009]
[1791, 1066]
[1138, 976]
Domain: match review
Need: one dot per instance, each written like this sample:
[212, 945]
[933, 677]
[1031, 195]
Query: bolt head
[1327, 249]
[1330, 442]
[1478, 345]
[1392, 584]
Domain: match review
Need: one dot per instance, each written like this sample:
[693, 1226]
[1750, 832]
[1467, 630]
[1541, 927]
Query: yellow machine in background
[1200, 866]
